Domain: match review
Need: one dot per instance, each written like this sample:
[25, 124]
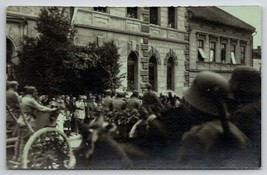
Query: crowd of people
[215, 124]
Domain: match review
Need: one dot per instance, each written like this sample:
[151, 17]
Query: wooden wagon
[46, 148]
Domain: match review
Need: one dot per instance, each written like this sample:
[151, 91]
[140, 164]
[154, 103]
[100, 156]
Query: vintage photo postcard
[145, 87]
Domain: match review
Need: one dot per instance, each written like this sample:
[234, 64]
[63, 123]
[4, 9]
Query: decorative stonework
[172, 54]
[154, 52]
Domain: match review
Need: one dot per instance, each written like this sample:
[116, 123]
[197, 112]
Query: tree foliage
[53, 64]
[42, 59]
[105, 72]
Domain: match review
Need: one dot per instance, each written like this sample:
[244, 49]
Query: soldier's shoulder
[249, 109]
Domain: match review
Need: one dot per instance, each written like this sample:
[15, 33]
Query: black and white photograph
[133, 87]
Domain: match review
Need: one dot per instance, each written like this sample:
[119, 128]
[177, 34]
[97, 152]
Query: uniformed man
[215, 142]
[151, 100]
[12, 99]
[119, 103]
[107, 100]
[245, 85]
[133, 102]
[79, 113]
[92, 108]
[26, 122]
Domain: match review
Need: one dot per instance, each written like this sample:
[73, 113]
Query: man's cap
[30, 89]
[13, 83]
[108, 92]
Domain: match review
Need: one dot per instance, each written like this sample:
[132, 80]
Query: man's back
[118, 104]
[107, 102]
[133, 103]
[12, 98]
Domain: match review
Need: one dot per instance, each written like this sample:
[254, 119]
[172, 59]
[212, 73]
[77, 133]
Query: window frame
[201, 53]
[136, 16]
[173, 18]
[170, 70]
[153, 63]
[233, 53]
[101, 7]
[157, 20]
[223, 52]
[132, 60]
[212, 48]
[242, 54]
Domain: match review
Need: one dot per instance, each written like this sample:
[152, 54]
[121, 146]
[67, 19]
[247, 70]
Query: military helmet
[30, 90]
[207, 90]
[246, 79]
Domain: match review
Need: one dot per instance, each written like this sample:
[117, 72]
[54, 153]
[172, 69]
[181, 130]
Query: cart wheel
[48, 148]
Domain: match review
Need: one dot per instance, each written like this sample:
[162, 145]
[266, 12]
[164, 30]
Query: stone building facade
[152, 41]
[165, 46]
[218, 41]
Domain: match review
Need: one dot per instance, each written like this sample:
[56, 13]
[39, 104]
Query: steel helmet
[246, 79]
[30, 90]
[207, 90]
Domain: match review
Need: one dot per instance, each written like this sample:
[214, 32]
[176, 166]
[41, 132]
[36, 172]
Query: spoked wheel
[48, 148]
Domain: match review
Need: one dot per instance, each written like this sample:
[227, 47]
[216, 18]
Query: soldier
[107, 101]
[215, 142]
[92, 108]
[119, 103]
[29, 109]
[133, 102]
[79, 114]
[151, 100]
[245, 85]
[12, 98]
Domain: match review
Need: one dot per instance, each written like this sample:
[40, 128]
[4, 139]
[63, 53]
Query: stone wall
[129, 34]
[217, 34]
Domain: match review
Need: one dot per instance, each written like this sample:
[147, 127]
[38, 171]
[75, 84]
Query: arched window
[170, 74]
[152, 74]
[132, 72]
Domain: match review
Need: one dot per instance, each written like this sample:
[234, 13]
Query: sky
[251, 15]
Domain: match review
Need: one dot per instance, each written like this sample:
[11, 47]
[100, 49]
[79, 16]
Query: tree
[42, 59]
[105, 70]
[109, 61]
[53, 64]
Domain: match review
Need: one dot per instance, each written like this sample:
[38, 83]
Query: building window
[212, 51]
[154, 15]
[171, 17]
[132, 82]
[223, 52]
[243, 55]
[152, 72]
[201, 53]
[233, 61]
[170, 74]
[101, 9]
[132, 12]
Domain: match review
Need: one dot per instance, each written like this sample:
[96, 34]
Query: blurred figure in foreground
[215, 142]
[245, 86]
